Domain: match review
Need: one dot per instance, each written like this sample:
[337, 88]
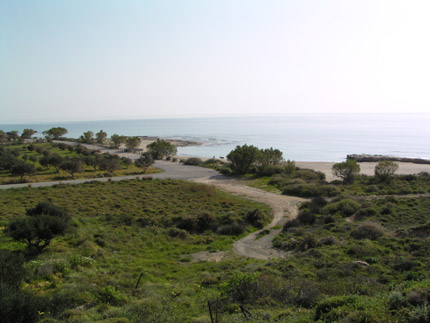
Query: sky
[102, 59]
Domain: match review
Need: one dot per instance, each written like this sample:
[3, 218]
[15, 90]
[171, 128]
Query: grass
[120, 231]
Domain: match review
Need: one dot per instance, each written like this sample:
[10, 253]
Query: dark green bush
[306, 217]
[368, 230]
[257, 218]
[233, 229]
[193, 161]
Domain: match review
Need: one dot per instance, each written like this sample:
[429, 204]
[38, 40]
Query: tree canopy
[346, 170]
[385, 169]
[40, 226]
[161, 148]
[132, 143]
[101, 137]
[243, 157]
[55, 133]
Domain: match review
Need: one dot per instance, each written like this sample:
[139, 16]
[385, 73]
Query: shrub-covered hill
[121, 231]
[362, 260]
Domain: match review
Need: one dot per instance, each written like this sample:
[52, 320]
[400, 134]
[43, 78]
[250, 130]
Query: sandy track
[283, 207]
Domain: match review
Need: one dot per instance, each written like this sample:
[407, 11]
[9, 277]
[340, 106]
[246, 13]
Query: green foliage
[27, 133]
[117, 141]
[72, 166]
[193, 161]
[241, 287]
[101, 137]
[242, 158]
[346, 170]
[22, 168]
[87, 137]
[55, 133]
[44, 222]
[132, 143]
[144, 161]
[109, 295]
[161, 148]
[385, 169]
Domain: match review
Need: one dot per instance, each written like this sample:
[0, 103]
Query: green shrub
[306, 217]
[193, 161]
[109, 295]
[233, 229]
[257, 218]
[345, 207]
[290, 224]
[368, 230]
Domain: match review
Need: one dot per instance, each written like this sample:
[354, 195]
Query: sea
[301, 137]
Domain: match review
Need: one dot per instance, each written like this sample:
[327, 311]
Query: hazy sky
[101, 59]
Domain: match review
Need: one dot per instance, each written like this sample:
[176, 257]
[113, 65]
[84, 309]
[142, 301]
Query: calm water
[300, 137]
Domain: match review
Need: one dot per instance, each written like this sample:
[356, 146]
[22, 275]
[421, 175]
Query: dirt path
[284, 207]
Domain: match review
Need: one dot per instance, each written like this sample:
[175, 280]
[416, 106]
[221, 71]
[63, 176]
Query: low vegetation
[41, 161]
[127, 254]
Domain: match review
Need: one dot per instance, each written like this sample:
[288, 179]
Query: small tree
[144, 161]
[3, 137]
[72, 166]
[42, 224]
[55, 133]
[161, 148]
[87, 137]
[12, 135]
[242, 158]
[132, 143]
[55, 160]
[117, 141]
[110, 163]
[385, 169]
[101, 137]
[22, 168]
[27, 133]
[346, 170]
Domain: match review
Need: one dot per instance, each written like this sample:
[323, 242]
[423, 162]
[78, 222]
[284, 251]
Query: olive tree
[27, 133]
[72, 166]
[161, 148]
[55, 133]
[144, 161]
[385, 169]
[242, 158]
[22, 168]
[346, 170]
[132, 143]
[101, 137]
[87, 137]
[40, 226]
[117, 141]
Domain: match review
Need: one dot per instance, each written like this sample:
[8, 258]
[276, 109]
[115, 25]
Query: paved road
[170, 170]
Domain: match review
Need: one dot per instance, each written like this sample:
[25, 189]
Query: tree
[87, 137]
[27, 133]
[110, 163]
[144, 161]
[93, 160]
[72, 166]
[269, 157]
[55, 133]
[117, 140]
[22, 168]
[385, 169]
[346, 170]
[242, 158]
[42, 224]
[161, 148]
[101, 137]
[55, 160]
[12, 135]
[132, 143]
[3, 137]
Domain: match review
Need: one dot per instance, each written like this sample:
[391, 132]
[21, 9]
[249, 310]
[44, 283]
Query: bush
[369, 230]
[233, 229]
[257, 218]
[346, 207]
[109, 295]
[193, 161]
[290, 224]
[306, 217]
[324, 307]
[44, 222]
